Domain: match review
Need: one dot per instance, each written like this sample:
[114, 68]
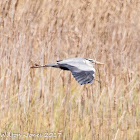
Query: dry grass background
[50, 100]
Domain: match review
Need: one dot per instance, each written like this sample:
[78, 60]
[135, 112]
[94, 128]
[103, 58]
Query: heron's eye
[90, 60]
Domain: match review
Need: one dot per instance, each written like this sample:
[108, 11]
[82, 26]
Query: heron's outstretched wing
[84, 77]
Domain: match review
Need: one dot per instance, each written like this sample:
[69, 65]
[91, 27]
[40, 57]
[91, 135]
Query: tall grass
[50, 100]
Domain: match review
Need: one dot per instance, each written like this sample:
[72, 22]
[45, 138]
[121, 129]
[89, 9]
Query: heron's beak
[99, 63]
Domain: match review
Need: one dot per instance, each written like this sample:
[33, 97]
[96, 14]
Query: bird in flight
[81, 68]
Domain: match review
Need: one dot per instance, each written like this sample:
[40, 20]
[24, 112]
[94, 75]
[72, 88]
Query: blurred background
[49, 100]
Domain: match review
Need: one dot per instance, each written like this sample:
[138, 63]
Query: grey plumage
[82, 69]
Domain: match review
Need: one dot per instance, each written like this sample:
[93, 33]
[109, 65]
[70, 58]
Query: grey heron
[81, 68]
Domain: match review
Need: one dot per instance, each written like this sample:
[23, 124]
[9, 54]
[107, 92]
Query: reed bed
[49, 102]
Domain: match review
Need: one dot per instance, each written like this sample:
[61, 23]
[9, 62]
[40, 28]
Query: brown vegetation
[50, 100]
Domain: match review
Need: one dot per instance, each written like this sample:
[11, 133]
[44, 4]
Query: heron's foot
[35, 66]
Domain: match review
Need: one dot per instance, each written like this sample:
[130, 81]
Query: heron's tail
[48, 65]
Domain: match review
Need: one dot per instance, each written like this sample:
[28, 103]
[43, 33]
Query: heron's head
[94, 62]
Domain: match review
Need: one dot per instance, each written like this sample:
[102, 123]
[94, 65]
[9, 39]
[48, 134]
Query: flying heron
[81, 68]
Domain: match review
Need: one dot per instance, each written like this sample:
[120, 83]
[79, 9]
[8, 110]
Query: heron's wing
[82, 73]
[75, 64]
[84, 77]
